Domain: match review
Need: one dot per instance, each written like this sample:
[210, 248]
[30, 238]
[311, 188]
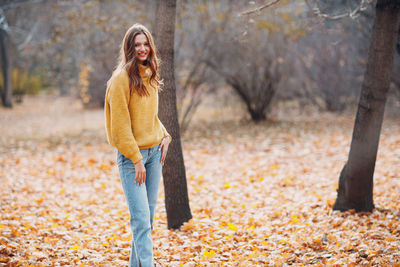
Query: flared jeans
[141, 201]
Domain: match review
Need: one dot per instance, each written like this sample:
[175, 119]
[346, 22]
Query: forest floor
[260, 194]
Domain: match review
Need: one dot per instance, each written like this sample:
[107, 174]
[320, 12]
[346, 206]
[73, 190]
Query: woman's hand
[164, 148]
[140, 172]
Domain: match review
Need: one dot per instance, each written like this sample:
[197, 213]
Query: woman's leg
[136, 196]
[153, 177]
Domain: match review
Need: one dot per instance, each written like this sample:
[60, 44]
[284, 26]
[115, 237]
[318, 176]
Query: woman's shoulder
[119, 75]
[118, 79]
[119, 82]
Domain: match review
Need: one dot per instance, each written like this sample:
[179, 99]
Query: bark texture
[174, 173]
[6, 67]
[356, 179]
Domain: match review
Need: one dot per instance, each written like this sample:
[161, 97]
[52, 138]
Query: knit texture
[131, 120]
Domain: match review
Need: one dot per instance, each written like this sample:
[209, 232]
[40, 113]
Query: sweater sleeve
[120, 121]
[165, 133]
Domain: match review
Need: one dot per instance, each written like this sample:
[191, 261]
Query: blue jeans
[141, 201]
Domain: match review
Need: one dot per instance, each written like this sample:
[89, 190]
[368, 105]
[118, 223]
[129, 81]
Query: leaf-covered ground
[260, 194]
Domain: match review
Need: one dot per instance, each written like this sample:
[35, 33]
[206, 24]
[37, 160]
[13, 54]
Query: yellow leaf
[105, 167]
[232, 226]
[288, 180]
[75, 247]
[294, 219]
[227, 185]
[251, 227]
[317, 240]
[209, 254]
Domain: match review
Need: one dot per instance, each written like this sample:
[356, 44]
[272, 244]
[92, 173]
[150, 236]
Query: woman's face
[142, 47]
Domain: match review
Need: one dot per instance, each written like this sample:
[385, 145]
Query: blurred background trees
[282, 54]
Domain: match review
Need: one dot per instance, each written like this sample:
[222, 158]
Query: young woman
[133, 127]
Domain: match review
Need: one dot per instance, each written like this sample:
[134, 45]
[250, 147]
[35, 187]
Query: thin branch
[19, 3]
[258, 9]
[317, 10]
[3, 21]
[28, 38]
[351, 14]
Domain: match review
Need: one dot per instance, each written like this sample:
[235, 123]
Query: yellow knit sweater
[131, 120]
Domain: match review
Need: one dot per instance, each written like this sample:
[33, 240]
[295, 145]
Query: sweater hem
[149, 146]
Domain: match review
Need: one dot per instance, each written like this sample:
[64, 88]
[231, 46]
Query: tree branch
[258, 9]
[16, 3]
[3, 21]
[351, 14]
[28, 38]
[317, 10]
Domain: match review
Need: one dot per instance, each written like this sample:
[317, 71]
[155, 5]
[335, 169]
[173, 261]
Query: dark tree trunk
[6, 67]
[356, 179]
[174, 173]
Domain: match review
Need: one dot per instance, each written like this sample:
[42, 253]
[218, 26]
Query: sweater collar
[145, 71]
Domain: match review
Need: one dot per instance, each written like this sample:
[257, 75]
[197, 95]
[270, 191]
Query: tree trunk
[356, 179]
[174, 174]
[6, 67]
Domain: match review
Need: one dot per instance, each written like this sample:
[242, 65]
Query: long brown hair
[128, 61]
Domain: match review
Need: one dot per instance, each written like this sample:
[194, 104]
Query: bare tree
[174, 173]
[9, 48]
[6, 60]
[330, 59]
[251, 65]
[356, 179]
[193, 38]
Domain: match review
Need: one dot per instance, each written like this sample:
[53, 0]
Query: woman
[133, 127]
